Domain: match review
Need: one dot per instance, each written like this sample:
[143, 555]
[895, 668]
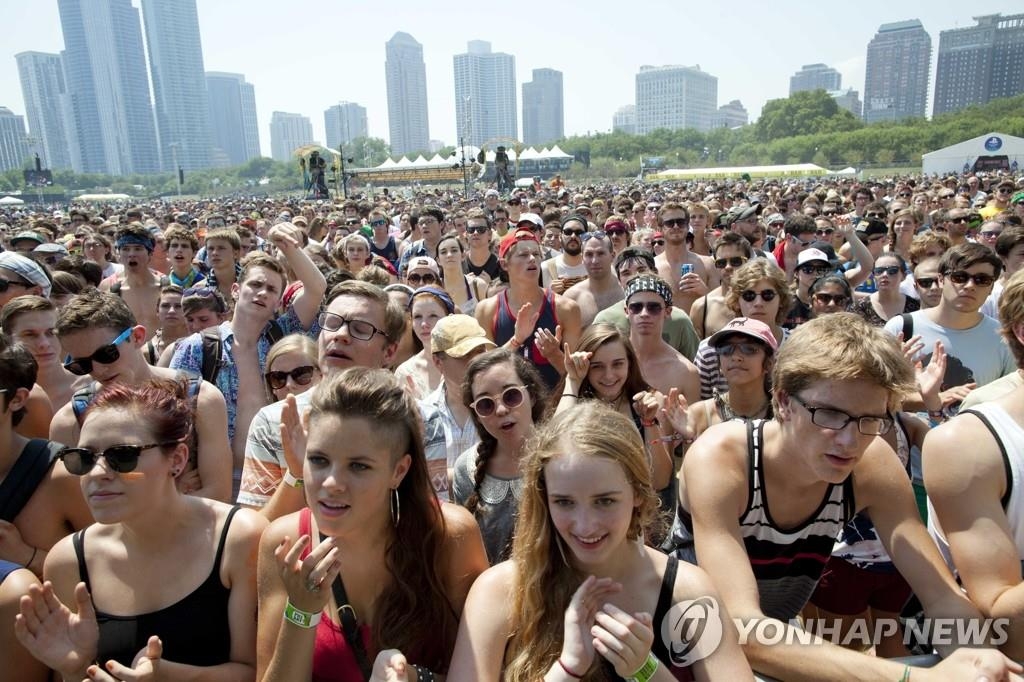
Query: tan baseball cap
[457, 335]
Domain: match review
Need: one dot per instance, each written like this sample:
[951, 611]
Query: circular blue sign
[993, 143]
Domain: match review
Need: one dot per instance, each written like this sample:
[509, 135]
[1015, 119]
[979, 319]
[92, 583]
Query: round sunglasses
[512, 397]
[767, 295]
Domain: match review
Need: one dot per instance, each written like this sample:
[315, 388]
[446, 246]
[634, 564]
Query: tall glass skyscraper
[406, 75]
[47, 105]
[105, 69]
[485, 94]
[543, 111]
[899, 59]
[233, 116]
[179, 82]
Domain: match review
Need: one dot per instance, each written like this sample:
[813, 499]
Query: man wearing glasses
[958, 224]
[567, 268]
[1000, 200]
[480, 259]
[836, 382]
[360, 327]
[976, 355]
[98, 331]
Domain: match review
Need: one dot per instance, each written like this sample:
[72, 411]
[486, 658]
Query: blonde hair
[545, 581]
[1011, 314]
[841, 347]
[292, 343]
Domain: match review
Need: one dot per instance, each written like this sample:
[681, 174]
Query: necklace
[722, 401]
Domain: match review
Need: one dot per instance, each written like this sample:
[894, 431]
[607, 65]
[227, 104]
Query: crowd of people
[426, 436]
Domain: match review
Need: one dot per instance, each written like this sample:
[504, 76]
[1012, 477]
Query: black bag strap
[350, 625]
[25, 475]
[908, 326]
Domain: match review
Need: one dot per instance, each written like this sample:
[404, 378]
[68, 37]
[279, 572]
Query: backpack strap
[21, 481]
[213, 347]
[908, 326]
[115, 288]
[273, 332]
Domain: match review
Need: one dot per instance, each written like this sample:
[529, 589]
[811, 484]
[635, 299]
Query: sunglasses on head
[301, 375]
[676, 222]
[747, 349]
[596, 234]
[767, 295]
[424, 279]
[512, 397]
[104, 355]
[735, 261]
[891, 270]
[828, 299]
[120, 458]
[980, 279]
[926, 282]
[5, 284]
[653, 307]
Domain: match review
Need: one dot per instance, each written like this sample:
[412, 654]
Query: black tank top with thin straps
[194, 630]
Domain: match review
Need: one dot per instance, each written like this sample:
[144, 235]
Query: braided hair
[535, 386]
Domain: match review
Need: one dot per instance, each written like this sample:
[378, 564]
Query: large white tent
[963, 156]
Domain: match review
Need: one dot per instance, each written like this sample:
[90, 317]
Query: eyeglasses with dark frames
[357, 329]
[837, 420]
[105, 355]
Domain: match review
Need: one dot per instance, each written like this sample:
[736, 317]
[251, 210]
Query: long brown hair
[413, 613]
[600, 335]
[545, 580]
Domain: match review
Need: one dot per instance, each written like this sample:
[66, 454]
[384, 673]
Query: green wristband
[647, 670]
[303, 619]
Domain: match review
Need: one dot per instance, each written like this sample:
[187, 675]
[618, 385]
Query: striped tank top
[786, 563]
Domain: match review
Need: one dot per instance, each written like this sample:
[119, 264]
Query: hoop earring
[396, 507]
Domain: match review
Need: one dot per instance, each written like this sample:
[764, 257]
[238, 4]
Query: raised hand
[578, 642]
[623, 639]
[577, 364]
[307, 581]
[550, 345]
[60, 639]
[647, 404]
[526, 322]
[293, 436]
[674, 413]
[929, 379]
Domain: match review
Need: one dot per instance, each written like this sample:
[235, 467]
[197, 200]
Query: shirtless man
[674, 223]
[648, 305]
[30, 320]
[138, 285]
[710, 312]
[601, 289]
[57, 506]
[975, 502]
[550, 319]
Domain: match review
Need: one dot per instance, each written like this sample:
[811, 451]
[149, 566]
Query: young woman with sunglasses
[371, 576]
[583, 597]
[830, 294]
[466, 290]
[118, 601]
[292, 367]
[887, 301]
[427, 306]
[759, 290]
[508, 399]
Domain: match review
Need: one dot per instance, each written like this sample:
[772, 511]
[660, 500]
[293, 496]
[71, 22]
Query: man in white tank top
[974, 471]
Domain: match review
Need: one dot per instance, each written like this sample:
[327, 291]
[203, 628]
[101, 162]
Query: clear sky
[306, 56]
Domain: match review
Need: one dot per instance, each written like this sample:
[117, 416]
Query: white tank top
[1010, 437]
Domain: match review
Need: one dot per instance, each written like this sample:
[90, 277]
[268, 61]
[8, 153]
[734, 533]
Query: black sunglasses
[5, 284]
[980, 279]
[735, 261]
[877, 216]
[104, 355]
[926, 282]
[424, 279]
[747, 349]
[891, 270]
[828, 299]
[818, 270]
[767, 295]
[301, 375]
[653, 307]
[477, 229]
[657, 242]
[120, 458]
[571, 233]
[676, 222]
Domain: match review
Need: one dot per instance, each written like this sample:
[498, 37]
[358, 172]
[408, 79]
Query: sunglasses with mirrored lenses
[735, 261]
[926, 282]
[980, 279]
[357, 329]
[425, 279]
[300, 375]
[378, 223]
[512, 397]
[120, 458]
[767, 295]
[653, 307]
[891, 270]
[746, 349]
[828, 299]
[104, 355]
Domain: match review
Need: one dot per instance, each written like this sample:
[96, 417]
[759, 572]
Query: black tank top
[194, 631]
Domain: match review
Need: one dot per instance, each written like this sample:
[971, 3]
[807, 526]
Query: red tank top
[333, 658]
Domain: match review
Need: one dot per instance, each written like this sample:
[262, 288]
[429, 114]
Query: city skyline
[287, 78]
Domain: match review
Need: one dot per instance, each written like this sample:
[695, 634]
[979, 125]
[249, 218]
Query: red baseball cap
[512, 238]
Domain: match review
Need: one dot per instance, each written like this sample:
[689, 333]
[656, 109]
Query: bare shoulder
[246, 524]
[61, 565]
[458, 520]
[718, 459]
[499, 579]
[280, 528]
[566, 305]
[948, 470]
[64, 427]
